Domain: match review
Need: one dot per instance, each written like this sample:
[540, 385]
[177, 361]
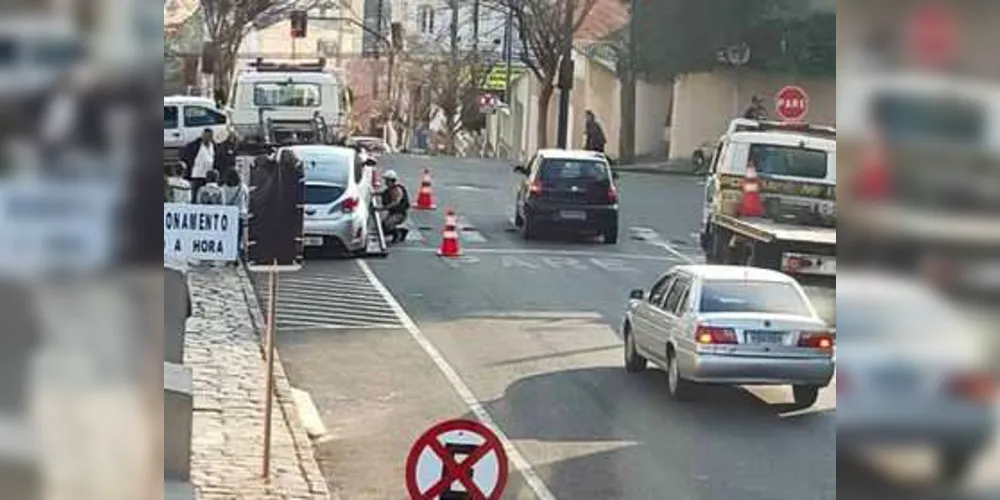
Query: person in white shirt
[200, 157]
[180, 188]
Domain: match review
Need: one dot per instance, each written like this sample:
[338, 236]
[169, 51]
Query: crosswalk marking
[328, 295]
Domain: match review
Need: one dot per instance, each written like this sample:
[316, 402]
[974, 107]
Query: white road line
[336, 316]
[303, 325]
[540, 251]
[672, 250]
[531, 477]
[330, 302]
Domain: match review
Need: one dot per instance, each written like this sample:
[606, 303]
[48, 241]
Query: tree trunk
[544, 98]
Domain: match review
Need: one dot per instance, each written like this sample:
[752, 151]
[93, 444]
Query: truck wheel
[765, 255]
[718, 240]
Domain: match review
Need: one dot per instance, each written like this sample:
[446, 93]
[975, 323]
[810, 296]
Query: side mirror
[520, 169]
[637, 294]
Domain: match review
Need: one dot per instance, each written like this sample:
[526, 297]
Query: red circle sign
[792, 103]
[933, 33]
[432, 468]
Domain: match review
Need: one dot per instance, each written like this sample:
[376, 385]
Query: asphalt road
[526, 334]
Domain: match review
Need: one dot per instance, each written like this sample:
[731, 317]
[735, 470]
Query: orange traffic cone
[751, 205]
[425, 199]
[449, 236]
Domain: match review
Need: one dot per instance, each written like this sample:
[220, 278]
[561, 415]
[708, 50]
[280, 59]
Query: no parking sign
[456, 459]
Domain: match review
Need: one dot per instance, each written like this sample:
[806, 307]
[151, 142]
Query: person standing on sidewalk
[178, 188]
[210, 193]
[200, 156]
[595, 139]
[235, 193]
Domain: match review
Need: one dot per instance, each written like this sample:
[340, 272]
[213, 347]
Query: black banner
[276, 198]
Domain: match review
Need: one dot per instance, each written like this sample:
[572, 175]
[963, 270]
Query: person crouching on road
[395, 205]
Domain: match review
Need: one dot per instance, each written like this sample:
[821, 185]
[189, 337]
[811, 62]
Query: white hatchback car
[729, 325]
[338, 197]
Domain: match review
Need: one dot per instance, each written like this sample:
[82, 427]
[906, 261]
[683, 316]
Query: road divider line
[666, 246]
[541, 251]
[304, 325]
[531, 478]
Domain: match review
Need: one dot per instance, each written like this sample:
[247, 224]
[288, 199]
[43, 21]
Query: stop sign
[791, 103]
[933, 34]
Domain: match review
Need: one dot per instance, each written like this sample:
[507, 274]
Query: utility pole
[509, 48]
[475, 45]
[566, 77]
[451, 95]
[626, 141]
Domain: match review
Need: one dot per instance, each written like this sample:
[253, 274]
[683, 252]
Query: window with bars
[425, 18]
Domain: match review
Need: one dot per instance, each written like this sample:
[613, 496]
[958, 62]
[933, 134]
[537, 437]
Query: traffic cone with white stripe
[425, 199]
[450, 246]
[751, 205]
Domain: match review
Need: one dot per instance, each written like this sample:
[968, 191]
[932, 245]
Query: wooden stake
[269, 345]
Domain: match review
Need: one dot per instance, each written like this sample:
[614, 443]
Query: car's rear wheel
[634, 362]
[611, 235]
[805, 395]
[528, 231]
[954, 463]
[678, 388]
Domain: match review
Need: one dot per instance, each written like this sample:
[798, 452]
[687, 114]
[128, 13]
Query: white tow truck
[277, 104]
[796, 165]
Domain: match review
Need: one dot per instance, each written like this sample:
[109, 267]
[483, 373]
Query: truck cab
[796, 165]
[288, 103]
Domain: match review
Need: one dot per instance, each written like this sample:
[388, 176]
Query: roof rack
[746, 125]
[306, 67]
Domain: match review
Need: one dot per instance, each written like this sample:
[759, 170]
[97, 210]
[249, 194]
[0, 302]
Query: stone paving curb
[304, 448]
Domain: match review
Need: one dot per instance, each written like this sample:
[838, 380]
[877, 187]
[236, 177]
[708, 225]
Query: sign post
[792, 103]
[457, 459]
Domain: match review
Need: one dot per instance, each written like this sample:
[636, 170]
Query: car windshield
[557, 171]
[286, 94]
[752, 296]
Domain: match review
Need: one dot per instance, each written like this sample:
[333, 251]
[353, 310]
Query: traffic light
[299, 21]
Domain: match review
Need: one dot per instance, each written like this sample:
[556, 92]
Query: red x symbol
[457, 471]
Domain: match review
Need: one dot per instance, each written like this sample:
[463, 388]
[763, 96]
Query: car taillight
[874, 179]
[707, 335]
[980, 387]
[796, 264]
[612, 195]
[816, 340]
[348, 205]
[536, 188]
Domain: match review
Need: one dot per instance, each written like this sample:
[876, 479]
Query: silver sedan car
[338, 197]
[729, 325]
[914, 371]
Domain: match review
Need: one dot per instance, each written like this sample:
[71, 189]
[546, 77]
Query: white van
[185, 117]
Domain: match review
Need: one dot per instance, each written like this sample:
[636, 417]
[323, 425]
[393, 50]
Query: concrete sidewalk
[223, 348]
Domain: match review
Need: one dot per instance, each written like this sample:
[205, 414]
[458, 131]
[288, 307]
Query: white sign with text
[203, 232]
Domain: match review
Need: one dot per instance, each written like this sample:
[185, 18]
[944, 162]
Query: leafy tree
[541, 25]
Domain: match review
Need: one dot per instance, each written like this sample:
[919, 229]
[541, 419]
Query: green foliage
[681, 36]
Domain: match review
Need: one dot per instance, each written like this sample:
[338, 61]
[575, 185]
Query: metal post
[509, 56]
[566, 77]
[269, 347]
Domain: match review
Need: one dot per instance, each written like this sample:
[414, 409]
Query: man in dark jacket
[200, 156]
[757, 110]
[595, 139]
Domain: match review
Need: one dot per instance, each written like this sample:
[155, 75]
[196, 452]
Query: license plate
[312, 241]
[572, 215]
[765, 337]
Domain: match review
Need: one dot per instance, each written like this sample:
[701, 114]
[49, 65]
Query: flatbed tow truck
[796, 165]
